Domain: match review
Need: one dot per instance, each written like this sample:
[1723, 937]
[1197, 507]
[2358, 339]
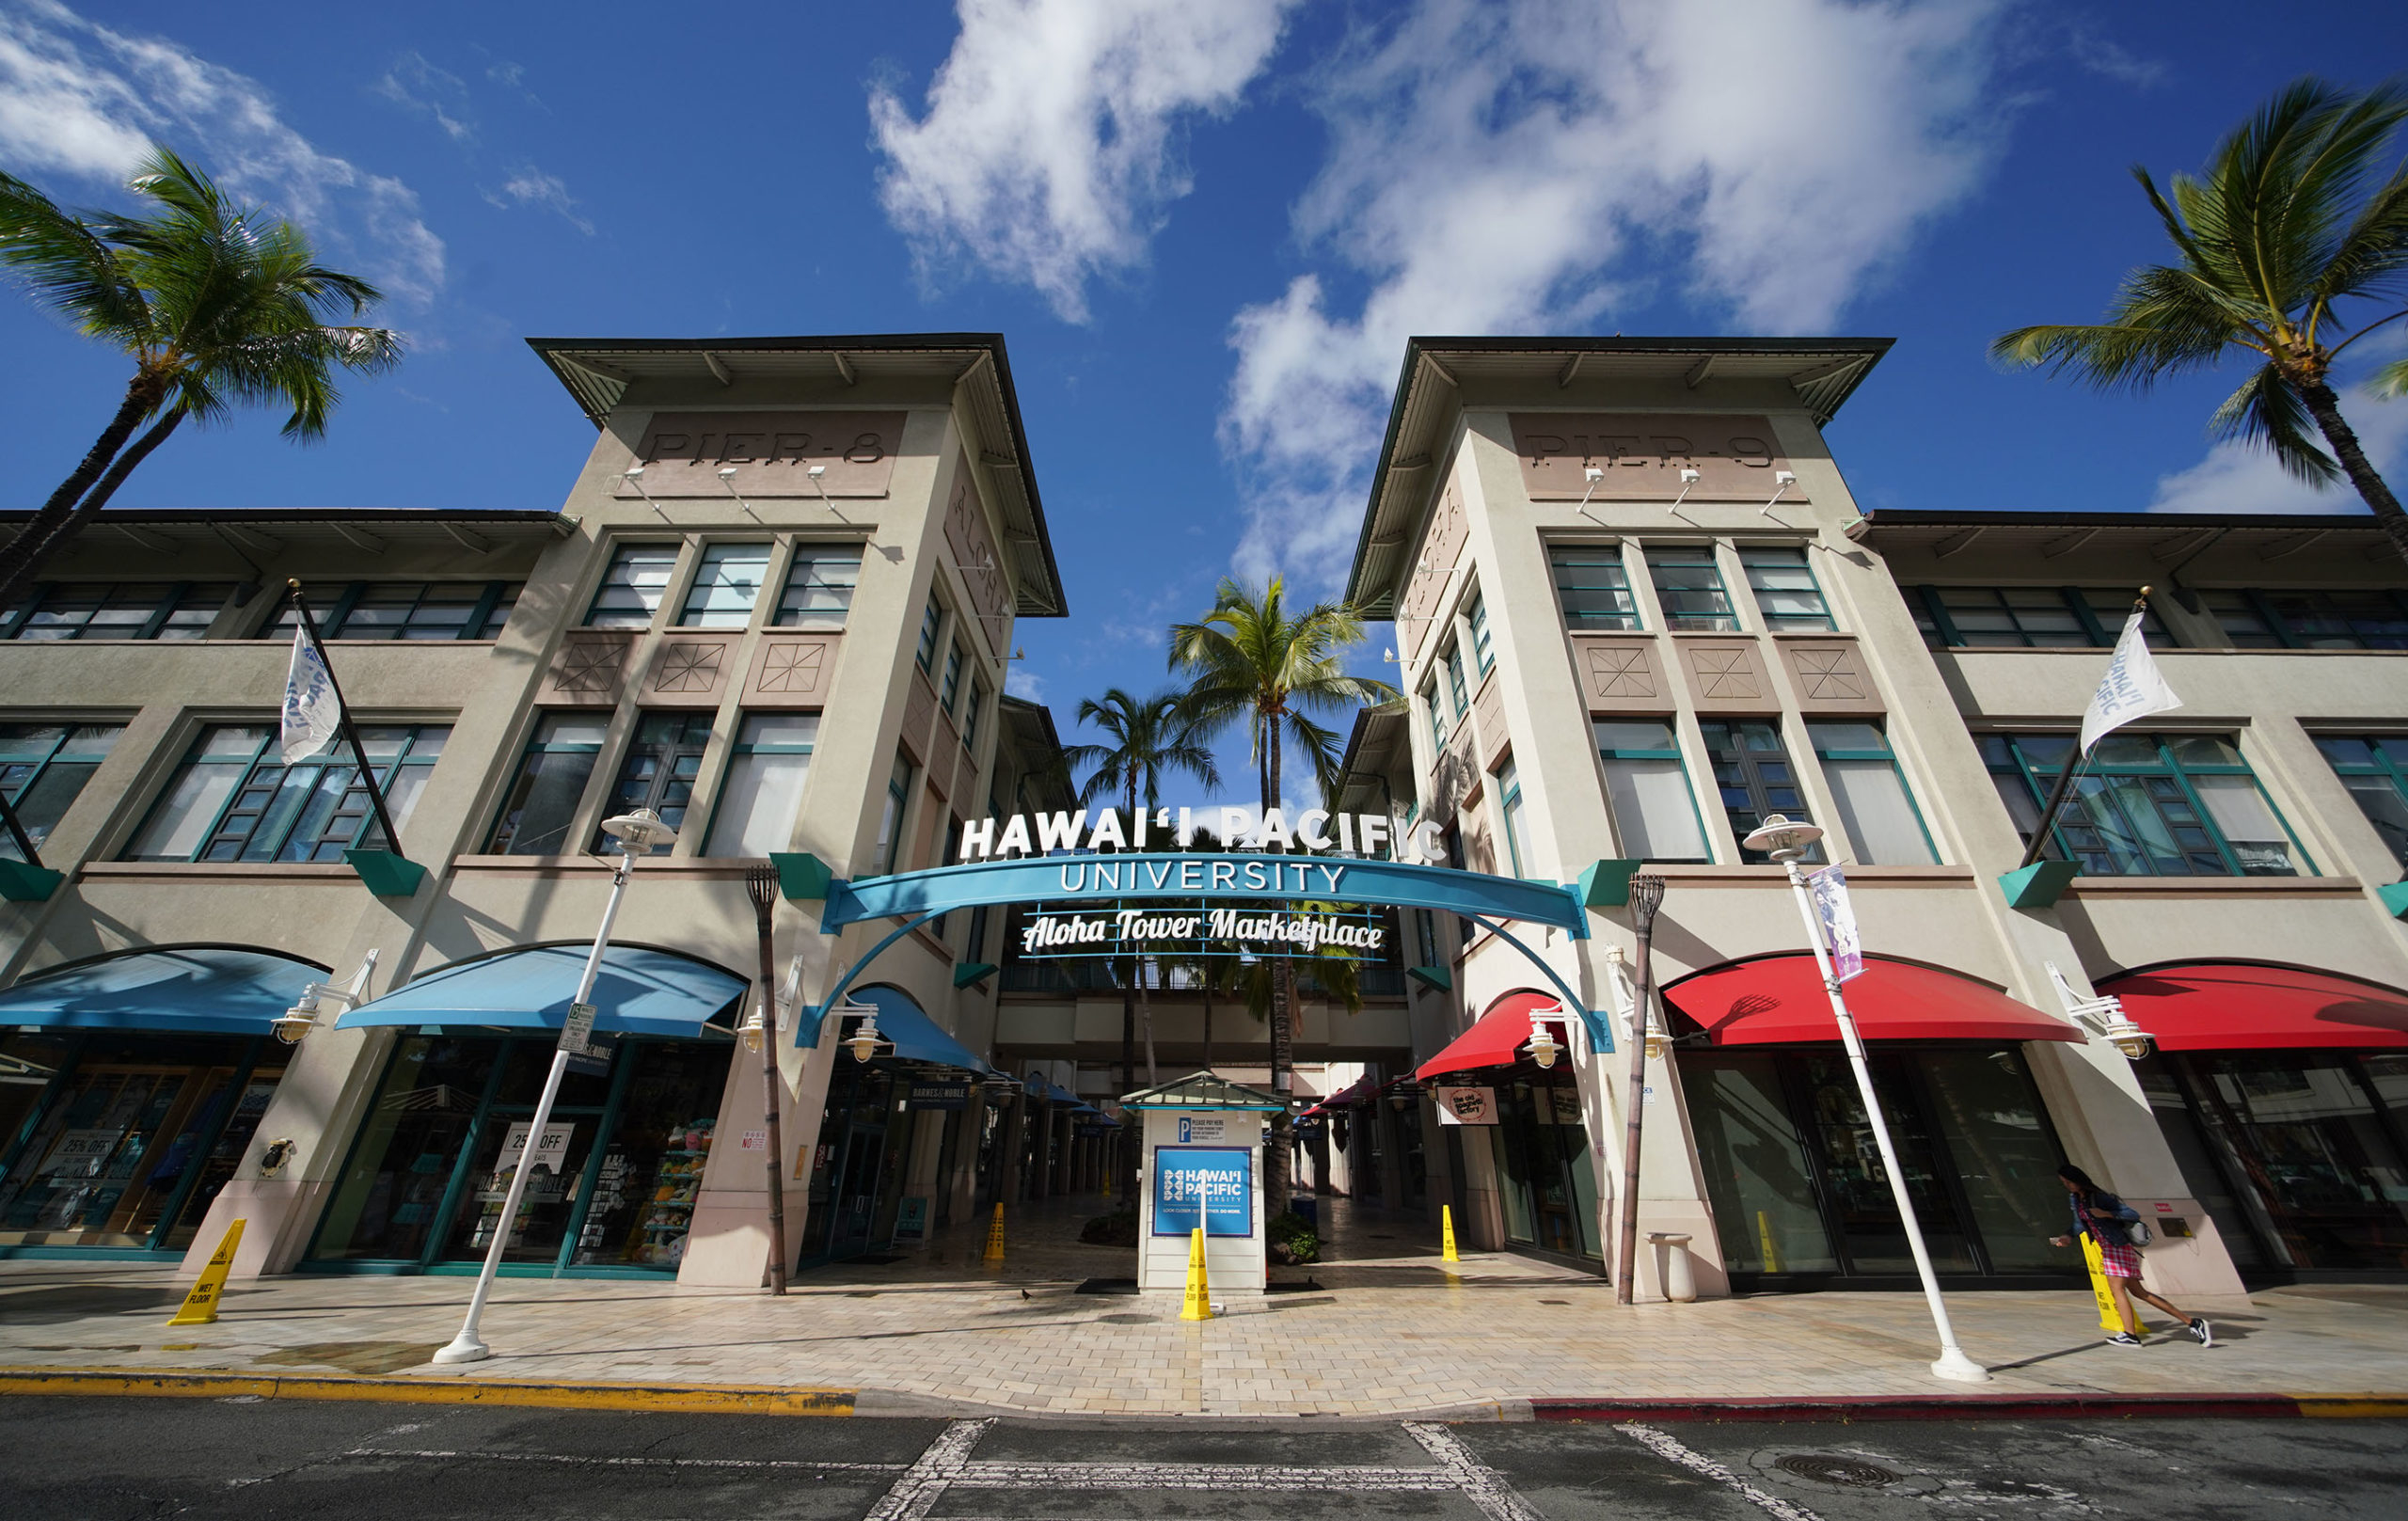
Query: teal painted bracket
[386, 875]
[2039, 885]
[803, 878]
[2395, 898]
[23, 883]
[1433, 977]
[1607, 884]
[966, 973]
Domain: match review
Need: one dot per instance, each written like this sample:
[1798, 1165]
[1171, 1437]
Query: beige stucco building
[1636, 610]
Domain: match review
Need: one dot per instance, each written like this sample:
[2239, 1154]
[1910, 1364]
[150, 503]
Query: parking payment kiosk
[1203, 1138]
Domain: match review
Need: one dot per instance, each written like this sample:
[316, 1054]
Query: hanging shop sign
[1211, 1186]
[1466, 1106]
[1356, 934]
[940, 1095]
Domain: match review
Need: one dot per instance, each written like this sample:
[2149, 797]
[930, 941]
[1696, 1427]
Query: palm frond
[2266, 412]
[64, 265]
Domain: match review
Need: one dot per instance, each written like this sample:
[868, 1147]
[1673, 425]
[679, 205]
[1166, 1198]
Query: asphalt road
[105, 1459]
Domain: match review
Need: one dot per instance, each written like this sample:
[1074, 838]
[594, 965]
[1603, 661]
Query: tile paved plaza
[1385, 1328]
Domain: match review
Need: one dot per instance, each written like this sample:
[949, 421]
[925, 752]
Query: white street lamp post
[1785, 842]
[637, 833]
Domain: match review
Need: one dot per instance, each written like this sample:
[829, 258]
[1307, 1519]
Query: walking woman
[2102, 1216]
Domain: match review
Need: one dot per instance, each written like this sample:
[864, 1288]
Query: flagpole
[2057, 803]
[343, 716]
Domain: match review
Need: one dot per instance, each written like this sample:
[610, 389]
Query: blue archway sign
[918, 897]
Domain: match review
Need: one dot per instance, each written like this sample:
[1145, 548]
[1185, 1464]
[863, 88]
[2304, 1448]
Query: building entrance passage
[2297, 1155]
[423, 1188]
[858, 1163]
[1799, 1197]
[1546, 1182]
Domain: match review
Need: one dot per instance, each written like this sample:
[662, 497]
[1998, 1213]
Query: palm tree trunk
[2325, 408]
[22, 556]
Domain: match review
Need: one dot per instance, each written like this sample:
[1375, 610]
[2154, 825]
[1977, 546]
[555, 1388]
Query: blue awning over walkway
[916, 1037]
[186, 990]
[639, 991]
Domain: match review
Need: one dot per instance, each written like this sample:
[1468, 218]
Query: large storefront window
[858, 1162]
[2296, 1155]
[1546, 1183]
[122, 1140]
[1795, 1177]
[429, 1171]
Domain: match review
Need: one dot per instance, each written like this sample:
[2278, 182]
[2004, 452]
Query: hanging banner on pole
[2133, 687]
[312, 714]
[1839, 923]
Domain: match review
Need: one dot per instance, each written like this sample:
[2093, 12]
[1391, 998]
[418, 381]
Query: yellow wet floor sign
[200, 1305]
[995, 1237]
[1199, 1294]
[1447, 1232]
[2108, 1319]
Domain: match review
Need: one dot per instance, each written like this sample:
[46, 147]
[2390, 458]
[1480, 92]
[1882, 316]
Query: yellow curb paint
[995, 1238]
[1447, 1232]
[733, 1398]
[2352, 1405]
[1199, 1305]
[200, 1305]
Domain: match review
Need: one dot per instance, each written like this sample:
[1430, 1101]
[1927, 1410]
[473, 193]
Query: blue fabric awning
[637, 992]
[191, 989]
[916, 1037]
[1044, 1089]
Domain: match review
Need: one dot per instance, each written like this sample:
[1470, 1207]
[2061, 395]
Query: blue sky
[1205, 230]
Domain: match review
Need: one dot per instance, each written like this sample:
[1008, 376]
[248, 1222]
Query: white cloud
[1024, 683]
[1531, 167]
[531, 186]
[80, 99]
[2238, 477]
[416, 85]
[1047, 152]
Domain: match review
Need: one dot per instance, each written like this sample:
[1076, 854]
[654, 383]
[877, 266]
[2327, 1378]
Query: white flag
[312, 716]
[2131, 689]
[1839, 923]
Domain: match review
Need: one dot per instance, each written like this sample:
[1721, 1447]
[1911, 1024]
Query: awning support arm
[1601, 1037]
[807, 1030]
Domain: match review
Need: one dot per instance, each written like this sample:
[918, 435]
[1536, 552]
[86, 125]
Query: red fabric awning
[1355, 1092]
[2228, 1006]
[1777, 999]
[1497, 1038]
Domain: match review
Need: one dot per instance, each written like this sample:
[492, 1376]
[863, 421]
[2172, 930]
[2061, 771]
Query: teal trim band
[23, 883]
[2039, 885]
[1607, 884]
[1435, 978]
[2395, 899]
[386, 872]
[966, 973]
[803, 878]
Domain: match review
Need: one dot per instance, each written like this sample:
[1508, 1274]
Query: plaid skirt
[2119, 1261]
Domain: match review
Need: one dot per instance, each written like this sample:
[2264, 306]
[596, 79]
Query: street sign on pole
[577, 1030]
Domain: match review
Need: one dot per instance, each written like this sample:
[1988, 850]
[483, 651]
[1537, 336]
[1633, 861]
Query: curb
[1980, 1407]
[729, 1398]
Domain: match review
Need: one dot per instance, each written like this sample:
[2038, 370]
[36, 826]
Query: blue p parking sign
[1211, 1186]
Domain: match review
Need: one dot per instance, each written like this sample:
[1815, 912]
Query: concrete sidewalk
[1387, 1330]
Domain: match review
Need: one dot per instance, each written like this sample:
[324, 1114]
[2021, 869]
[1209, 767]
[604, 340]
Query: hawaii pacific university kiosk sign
[1105, 862]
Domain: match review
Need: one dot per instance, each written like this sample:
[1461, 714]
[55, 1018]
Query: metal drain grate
[1853, 1473]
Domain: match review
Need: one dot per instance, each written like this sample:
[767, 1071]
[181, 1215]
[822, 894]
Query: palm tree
[217, 303]
[1252, 662]
[2272, 239]
[1151, 737]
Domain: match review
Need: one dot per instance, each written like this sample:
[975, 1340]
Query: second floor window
[1430, 700]
[44, 767]
[972, 708]
[763, 793]
[950, 690]
[632, 587]
[1883, 827]
[931, 620]
[2349, 620]
[726, 586]
[1752, 771]
[889, 851]
[2148, 805]
[1689, 587]
[1477, 615]
[1593, 587]
[401, 609]
[1516, 821]
[819, 586]
[2028, 617]
[542, 802]
[1456, 687]
[1648, 790]
[1785, 585]
[2375, 770]
[233, 799]
[116, 609]
[658, 771]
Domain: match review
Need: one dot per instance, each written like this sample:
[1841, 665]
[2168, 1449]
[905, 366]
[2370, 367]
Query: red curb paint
[1927, 1408]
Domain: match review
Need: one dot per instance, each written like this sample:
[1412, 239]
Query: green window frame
[2344, 619]
[892, 819]
[1689, 589]
[1437, 715]
[116, 609]
[930, 620]
[819, 586]
[43, 768]
[663, 759]
[401, 609]
[2374, 768]
[2149, 805]
[233, 799]
[1877, 810]
[1782, 578]
[949, 690]
[633, 586]
[2029, 617]
[1476, 614]
[1593, 587]
[974, 708]
[1755, 777]
[727, 585]
[1516, 820]
[1457, 687]
[552, 773]
[760, 792]
[1643, 768]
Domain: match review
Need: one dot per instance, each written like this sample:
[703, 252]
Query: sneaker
[2200, 1328]
[2123, 1339]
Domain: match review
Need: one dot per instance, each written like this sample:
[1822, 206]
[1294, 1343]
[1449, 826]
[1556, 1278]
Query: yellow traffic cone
[1447, 1232]
[200, 1305]
[995, 1238]
[1199, 1297]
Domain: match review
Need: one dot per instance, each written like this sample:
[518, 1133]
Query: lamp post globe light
[1786, 841]
[638, 835]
